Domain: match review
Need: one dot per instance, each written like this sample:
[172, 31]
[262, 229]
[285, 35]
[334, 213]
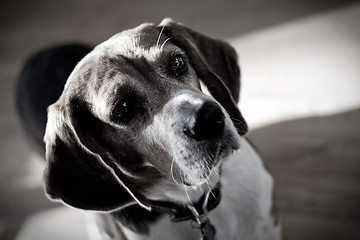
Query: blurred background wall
[301, 96]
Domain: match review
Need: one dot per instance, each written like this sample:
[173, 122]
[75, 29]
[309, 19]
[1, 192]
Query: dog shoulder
[247, 198]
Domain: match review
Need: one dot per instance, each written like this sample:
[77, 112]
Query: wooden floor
[316, 164]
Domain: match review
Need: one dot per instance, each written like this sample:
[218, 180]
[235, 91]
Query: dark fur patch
[112, 145]
[75, 173]
[42, 81]
[83, 183]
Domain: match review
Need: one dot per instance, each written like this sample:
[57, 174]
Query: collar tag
[201, 222]
[208, 231]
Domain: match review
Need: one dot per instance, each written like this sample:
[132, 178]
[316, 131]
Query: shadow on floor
[316, 165]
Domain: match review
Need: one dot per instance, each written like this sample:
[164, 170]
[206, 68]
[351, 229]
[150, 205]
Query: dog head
[133, 115]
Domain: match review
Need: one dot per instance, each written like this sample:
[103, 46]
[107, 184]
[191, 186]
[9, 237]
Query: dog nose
[209, 122]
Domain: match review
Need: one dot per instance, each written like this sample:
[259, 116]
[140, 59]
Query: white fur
[129, 45]
[244, 212]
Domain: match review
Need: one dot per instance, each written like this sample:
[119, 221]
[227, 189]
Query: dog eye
[123, 111]
[120, 109]
[178, 64]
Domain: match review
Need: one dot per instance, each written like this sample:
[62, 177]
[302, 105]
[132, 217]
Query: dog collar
[179, 213]
[196, 212]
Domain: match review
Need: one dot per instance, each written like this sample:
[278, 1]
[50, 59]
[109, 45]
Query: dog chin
[209, 175]
[210, 178]
[190, 184]
[203, 166]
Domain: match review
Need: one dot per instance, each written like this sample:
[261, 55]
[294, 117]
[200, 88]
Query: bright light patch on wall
[305, 68]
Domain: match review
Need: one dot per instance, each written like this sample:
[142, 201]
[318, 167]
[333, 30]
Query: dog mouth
[206, 167]
[199, 138]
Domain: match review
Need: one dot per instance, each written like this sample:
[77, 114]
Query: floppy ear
[79, 171]
[215, 63]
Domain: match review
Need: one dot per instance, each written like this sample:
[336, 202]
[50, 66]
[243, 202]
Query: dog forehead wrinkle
[132, 43]
[133, 70]
[143, 59]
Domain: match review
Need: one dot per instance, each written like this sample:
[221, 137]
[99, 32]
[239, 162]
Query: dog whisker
[213, 173]
[172, 171]
[158, 40]
[187, 194]
[211, 192]
[162, 45]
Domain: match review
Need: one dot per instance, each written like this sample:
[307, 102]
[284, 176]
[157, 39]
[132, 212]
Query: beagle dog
[134, 137]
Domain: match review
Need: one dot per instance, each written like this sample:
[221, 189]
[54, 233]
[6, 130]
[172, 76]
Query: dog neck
[179, 213]
[138, 219]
